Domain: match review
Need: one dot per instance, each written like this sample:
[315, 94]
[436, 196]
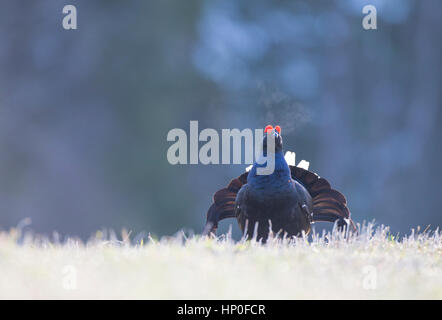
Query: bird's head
[274, 133]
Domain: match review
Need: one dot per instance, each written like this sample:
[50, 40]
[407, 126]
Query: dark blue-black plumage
[285, 202]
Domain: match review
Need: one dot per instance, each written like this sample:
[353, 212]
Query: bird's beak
[275, 133]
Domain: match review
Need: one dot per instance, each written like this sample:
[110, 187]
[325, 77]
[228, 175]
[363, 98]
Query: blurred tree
[84, 113]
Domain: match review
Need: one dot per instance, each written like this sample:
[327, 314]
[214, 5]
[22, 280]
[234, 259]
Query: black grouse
[286, 202]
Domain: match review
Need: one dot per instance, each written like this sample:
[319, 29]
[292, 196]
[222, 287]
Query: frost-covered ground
[371, 265]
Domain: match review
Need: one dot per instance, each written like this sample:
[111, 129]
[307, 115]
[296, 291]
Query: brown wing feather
[328, 204]
[223, 206]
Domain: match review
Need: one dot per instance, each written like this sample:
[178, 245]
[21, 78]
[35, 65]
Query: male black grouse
[287, 201]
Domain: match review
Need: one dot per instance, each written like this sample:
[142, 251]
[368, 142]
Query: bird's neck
[280, 175]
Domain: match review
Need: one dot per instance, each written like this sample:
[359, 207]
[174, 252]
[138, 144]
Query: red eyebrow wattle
[278, 128]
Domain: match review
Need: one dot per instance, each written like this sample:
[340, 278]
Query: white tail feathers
[290, 158]
[304, 164]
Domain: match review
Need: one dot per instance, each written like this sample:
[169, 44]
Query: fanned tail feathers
[328, 204]
[223, 204]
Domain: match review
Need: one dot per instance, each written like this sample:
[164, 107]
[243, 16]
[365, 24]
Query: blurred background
[84, 114]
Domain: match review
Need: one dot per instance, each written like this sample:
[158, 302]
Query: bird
[285, 203]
